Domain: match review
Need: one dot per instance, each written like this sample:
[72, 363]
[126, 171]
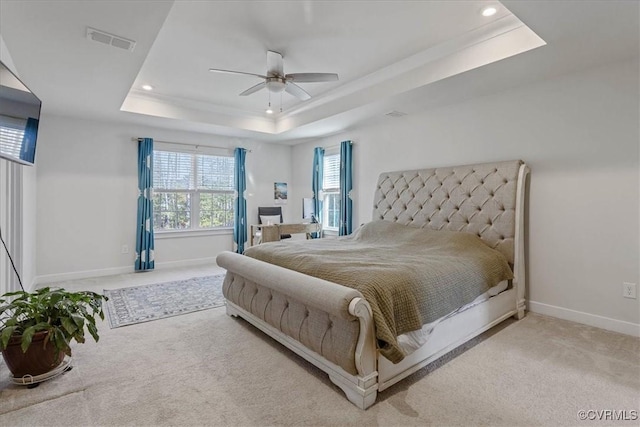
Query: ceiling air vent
[110, 39]
[395, 113]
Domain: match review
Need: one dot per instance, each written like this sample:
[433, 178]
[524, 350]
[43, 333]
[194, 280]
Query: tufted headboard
[484, 199]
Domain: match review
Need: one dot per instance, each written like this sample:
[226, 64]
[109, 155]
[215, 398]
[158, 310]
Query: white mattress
[413, 340]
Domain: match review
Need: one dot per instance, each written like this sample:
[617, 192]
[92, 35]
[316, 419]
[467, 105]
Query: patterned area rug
[128, 306]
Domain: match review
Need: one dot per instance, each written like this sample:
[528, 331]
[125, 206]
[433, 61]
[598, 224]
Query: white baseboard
[186, 263]
[601, 322]
[75, 275]
[85, 274]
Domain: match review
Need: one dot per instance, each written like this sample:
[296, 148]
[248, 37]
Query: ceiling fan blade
[312, 77]
[215, 70]
[275, 66]
[297, 91]
[254, 89]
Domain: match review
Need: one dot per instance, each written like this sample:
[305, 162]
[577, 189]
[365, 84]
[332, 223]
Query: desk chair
[272, 211]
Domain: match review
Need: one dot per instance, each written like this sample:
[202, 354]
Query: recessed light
[268, 111]
[489, 11]
[147, 87]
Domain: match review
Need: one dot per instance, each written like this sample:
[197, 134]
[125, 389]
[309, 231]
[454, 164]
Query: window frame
[194, 208]
[329, 191]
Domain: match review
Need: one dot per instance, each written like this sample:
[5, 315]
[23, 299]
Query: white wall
[266, 165]
[580, 135]
[87, 197]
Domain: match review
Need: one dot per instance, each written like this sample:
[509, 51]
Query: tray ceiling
[391, 56]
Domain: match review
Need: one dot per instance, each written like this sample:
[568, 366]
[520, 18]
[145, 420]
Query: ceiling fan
[276, 80]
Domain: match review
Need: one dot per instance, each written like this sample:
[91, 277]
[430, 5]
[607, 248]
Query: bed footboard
[328, 324]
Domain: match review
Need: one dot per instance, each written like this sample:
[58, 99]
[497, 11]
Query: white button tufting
[426, 197]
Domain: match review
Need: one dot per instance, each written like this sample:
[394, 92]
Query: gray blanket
[409, 276]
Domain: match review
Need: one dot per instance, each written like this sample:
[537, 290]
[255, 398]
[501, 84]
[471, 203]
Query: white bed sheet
[413, 340]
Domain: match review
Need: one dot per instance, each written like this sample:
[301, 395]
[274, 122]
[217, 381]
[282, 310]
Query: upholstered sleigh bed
[332, 326]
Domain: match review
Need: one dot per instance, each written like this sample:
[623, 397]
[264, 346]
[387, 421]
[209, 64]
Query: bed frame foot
[520, 314]
[361, 397]
[232, 311]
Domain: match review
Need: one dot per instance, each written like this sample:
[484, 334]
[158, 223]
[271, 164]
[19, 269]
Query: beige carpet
[206, 368]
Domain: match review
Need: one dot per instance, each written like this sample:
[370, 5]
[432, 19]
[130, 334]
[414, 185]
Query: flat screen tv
[19, 119]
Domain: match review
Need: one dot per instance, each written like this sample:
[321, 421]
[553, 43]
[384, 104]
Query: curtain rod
[336, 146]
[190, 145]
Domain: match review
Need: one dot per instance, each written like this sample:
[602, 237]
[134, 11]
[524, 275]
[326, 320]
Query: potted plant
[36, 328]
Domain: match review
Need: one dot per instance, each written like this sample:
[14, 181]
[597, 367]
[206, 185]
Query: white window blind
[11, 135]
[215, 172]
[331, 173]
[173, 171]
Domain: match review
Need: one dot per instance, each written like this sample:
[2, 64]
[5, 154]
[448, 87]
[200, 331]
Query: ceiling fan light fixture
[276, 81]
[276, 84]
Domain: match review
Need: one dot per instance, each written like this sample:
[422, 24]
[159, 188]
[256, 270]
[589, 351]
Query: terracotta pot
[39, 359]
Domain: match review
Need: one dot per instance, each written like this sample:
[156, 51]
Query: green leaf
[55, 297]
[78, 320]
[93, 331]
[27, 337]
[6, 335]
[60, 342]
[68, 325]
[11, 322]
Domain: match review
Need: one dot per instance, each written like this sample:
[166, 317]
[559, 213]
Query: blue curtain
[144, 231]
[316, 185]
[240, 206]
[346, 185]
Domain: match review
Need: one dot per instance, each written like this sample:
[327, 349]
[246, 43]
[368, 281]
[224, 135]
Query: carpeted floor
[137, 304]
[206, 368]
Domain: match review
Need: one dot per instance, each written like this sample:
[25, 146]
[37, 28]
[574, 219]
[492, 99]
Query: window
[192, 191]
[331, 192]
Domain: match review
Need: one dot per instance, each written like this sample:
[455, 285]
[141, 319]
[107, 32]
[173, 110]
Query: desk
[271, 233]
